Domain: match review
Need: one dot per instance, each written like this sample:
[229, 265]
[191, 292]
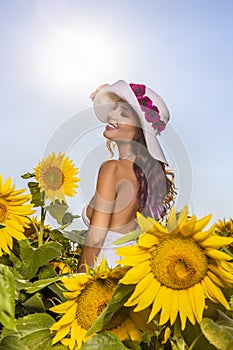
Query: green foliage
[76, 236]
[36, 194]
[131, 236]
[7, 288]
[38, 285]
[31, 333]
[57, 211]
[220, 336]
[30, 259]
[28, 175]
[195, 339]
[102, 341]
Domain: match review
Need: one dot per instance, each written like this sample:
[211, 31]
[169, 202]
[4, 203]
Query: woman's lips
[111, 126]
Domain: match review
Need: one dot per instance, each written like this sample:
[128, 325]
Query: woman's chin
[109, 134]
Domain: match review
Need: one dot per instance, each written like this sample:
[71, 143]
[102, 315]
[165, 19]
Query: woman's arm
[102, 211]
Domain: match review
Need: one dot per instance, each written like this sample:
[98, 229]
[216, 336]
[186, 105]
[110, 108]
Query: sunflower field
[173, 289]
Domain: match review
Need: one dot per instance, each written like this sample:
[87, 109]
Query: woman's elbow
[95, 238]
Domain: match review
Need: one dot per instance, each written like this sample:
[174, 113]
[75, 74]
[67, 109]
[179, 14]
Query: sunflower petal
[174, 303]
[187, 228]
[158, 303]
[63, 331]
[138, 292]
[172, 223]
[217, 254]
[63, 307]
[136, 274]
[149, 294]
[216, 242]
[144, 223]
[200, 224]
[216, 291]
[166, 309]
[147, 240]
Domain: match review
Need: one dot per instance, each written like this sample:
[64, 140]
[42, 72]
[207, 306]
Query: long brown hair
[156, 188]
[156, 184]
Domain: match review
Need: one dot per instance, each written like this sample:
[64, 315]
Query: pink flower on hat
[138, 89]
[145, 102]
[152, 114]
[160, 126]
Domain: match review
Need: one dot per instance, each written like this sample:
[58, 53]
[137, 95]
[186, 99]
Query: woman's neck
[125, 151]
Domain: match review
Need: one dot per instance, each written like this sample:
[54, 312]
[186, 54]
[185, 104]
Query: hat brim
[102, 104]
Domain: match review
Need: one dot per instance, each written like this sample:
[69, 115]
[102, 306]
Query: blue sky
[55, 53]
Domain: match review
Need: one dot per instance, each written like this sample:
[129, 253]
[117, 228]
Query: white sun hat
[149, 106]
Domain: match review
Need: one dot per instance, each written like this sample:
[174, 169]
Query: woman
[137, 181]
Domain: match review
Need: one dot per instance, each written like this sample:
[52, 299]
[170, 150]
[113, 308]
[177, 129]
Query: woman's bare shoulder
[109, 170]
[109, 166]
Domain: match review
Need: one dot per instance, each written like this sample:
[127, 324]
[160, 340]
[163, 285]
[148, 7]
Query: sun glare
[71, 54]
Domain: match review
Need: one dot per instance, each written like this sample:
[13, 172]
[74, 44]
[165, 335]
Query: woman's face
[122, 122]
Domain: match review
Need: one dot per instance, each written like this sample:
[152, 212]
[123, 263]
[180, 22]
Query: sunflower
[33, 227]
[175, 267]
[88, 295]
[56, 176]
[13, 214]
[61, 267]
[225, 228]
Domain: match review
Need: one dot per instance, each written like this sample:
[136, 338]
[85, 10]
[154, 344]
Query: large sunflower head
[13, 214]
[87, 296]
[176, 266]
[57, 177]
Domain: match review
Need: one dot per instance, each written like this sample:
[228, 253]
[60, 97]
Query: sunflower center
[53, 178]
[93, 300]
[178, 263]
[3, 211]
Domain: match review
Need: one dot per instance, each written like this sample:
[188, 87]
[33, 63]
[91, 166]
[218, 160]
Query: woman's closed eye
[123, 114]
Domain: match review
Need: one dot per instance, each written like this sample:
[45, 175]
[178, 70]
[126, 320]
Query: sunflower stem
[41, 233]
[195, 341]
[34, 226]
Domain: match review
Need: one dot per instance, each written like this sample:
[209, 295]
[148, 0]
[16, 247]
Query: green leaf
[36, 194]
[47, 252]
[20, 283]
[220, 336]
[38, 285]
[7, 297]
[57, 211]
[105, 340]
[12, 342]
[58, 291]
[56, 235]
[31, 259]
[75, 236]
[195, 339]
[119, 297]
[46, 271]
[28, 175]
[4, 259]
[34, 304]
[131, 236]
[32, 332]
